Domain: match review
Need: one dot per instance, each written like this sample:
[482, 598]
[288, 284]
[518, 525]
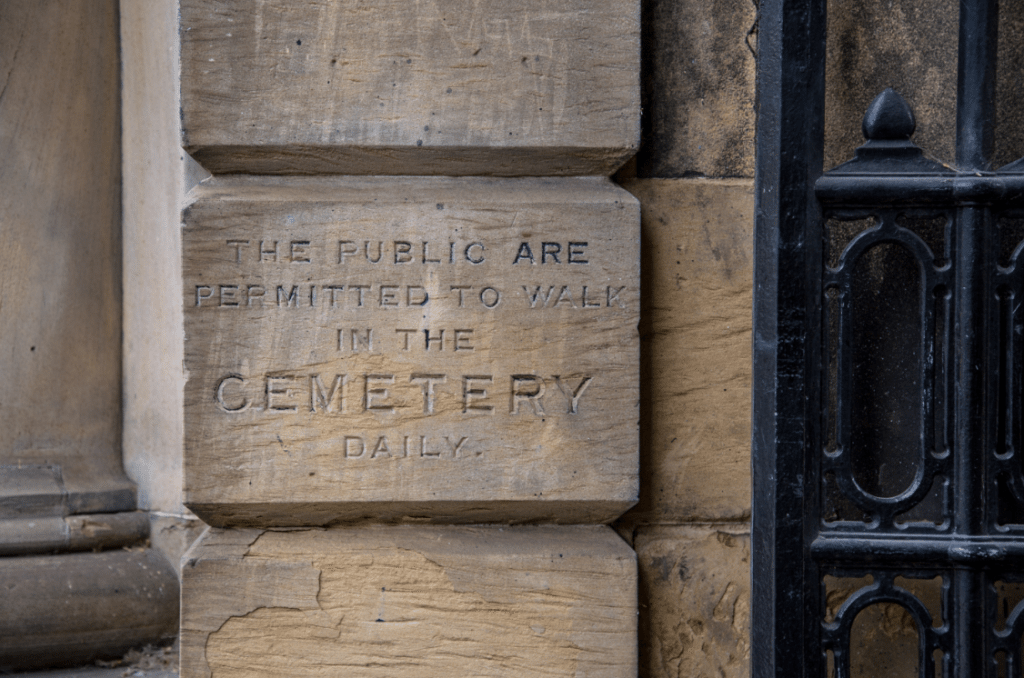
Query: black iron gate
[888, 370]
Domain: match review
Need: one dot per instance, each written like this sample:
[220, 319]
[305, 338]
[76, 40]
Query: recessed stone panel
[456, 349]
[423, 601]
[398, 87]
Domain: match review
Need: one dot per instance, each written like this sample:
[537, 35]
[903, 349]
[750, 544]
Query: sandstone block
[417, 601]
[697, 280]
[1009, 130]
[913, 49]
[694, 601]
[441, 87]
[698, 89]
[459, 349]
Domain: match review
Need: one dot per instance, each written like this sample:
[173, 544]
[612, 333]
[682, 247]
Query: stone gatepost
[410, 299]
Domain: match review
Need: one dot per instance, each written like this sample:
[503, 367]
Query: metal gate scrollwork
[888, 438]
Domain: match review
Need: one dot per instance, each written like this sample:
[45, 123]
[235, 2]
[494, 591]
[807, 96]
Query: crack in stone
[14, 60]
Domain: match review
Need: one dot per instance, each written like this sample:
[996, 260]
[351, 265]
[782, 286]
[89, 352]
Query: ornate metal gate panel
[888, 382]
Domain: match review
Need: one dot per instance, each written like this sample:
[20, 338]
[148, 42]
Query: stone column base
[73, 608]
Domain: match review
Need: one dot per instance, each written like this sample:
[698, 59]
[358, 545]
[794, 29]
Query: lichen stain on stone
[698, 90]
[397, 613]
[876, 44]
[663, 566]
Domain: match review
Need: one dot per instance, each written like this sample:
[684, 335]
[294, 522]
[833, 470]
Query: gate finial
[888, 125]
[888, 118]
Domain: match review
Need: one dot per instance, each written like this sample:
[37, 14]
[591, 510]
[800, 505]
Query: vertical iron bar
[976, 84]
[973, 411]
[972, 436]
[785, 629]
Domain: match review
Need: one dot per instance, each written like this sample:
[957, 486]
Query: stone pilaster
[409, 295]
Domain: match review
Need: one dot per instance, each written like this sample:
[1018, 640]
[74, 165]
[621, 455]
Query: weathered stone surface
[52, 534]
[173, 534]
[439, 87]
[913, 48]
[157, 177]
[698, 88]
[884, 636]
[70, 609]
[891, 43]
[694, 601]
[697, 273]
[59, 234]
[485, 368]
[1009, 131]
[410, 601]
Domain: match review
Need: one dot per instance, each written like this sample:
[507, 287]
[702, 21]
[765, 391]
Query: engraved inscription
[392, 394]
[378, 348]
[241, 295]
[407, 446]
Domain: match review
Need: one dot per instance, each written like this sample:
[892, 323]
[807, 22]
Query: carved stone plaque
[459, 350]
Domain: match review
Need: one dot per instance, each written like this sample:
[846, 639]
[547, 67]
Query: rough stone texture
[694, 600]
[59, 235]
[903, 44]
[913, 48]
[697, 265]
[1009, 137]
[436, 87]
[410, 601]
[698, 88]
[173, 534]
[525, 408]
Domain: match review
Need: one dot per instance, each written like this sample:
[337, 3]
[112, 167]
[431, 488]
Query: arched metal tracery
[889, 369]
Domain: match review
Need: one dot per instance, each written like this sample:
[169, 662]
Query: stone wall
[694, 179]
